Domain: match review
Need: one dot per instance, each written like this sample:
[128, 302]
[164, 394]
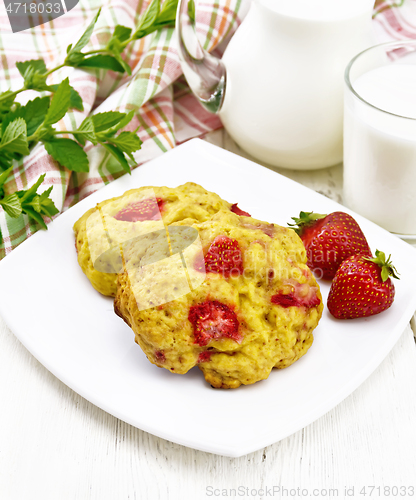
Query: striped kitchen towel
[166, 112]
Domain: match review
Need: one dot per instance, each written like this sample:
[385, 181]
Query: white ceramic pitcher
[279, 86]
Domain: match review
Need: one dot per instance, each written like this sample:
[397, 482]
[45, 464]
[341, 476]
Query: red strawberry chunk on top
[302, 296]
[238, 211]
[223, 257]
[204, 356]
[148, 209]
[213, 320]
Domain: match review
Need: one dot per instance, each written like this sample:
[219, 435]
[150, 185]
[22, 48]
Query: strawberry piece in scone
[290, 299]
[235, 209]
[213, 320]
[223, 257]
[148, 209]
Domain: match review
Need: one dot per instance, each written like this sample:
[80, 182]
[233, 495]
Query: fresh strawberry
[362, 287]
[223, 257]
[213, 320]
[329, 240]
[238, 211]
[148, 209]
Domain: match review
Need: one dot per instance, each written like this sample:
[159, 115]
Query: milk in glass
[380, 146]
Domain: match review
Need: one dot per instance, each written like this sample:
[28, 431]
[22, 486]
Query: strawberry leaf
[387, 268]
[304, 219]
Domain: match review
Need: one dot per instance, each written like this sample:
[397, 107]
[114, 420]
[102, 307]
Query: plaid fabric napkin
[166, 111]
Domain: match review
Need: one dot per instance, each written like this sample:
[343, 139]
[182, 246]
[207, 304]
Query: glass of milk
[380, 136]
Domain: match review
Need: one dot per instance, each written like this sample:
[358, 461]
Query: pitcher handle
[204, 73]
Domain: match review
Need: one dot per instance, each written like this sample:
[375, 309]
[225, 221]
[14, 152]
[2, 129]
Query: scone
[143, 211]
[232, 295]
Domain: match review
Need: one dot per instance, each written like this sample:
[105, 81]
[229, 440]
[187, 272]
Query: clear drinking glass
[380, 136]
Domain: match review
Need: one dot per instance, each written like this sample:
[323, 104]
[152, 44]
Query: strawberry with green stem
[329, 240]
[362, 287]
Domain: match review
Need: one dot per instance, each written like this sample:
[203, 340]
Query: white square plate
[72, 330]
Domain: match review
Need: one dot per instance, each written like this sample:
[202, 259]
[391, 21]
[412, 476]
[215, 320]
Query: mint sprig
[22, 127]
[27, 201]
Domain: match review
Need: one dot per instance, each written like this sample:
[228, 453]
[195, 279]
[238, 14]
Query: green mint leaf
[35, 204]
[47, 205]
[168, 12]
[110, 131]
[11, 205]
[38, 203]
[33, 73]
[75, 100]
[128, 142]
[74, 59]
[34, 215]
[60, 103]
[68, 153]
[33, 113]
[45, 133]
[37, 82]
[122, 33]
[6, 161]
[32, 66]
[6, 103]
[86, 132]
[147, 19]
[14, 138]
[121, 61]
[104, 121]
[27, 195]
[68, 49]
[85, 38]
[119, 156]
[4, 176]
[102, 62]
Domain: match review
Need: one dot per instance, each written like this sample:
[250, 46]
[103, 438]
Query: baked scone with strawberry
[102, 230]
[232, 295]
